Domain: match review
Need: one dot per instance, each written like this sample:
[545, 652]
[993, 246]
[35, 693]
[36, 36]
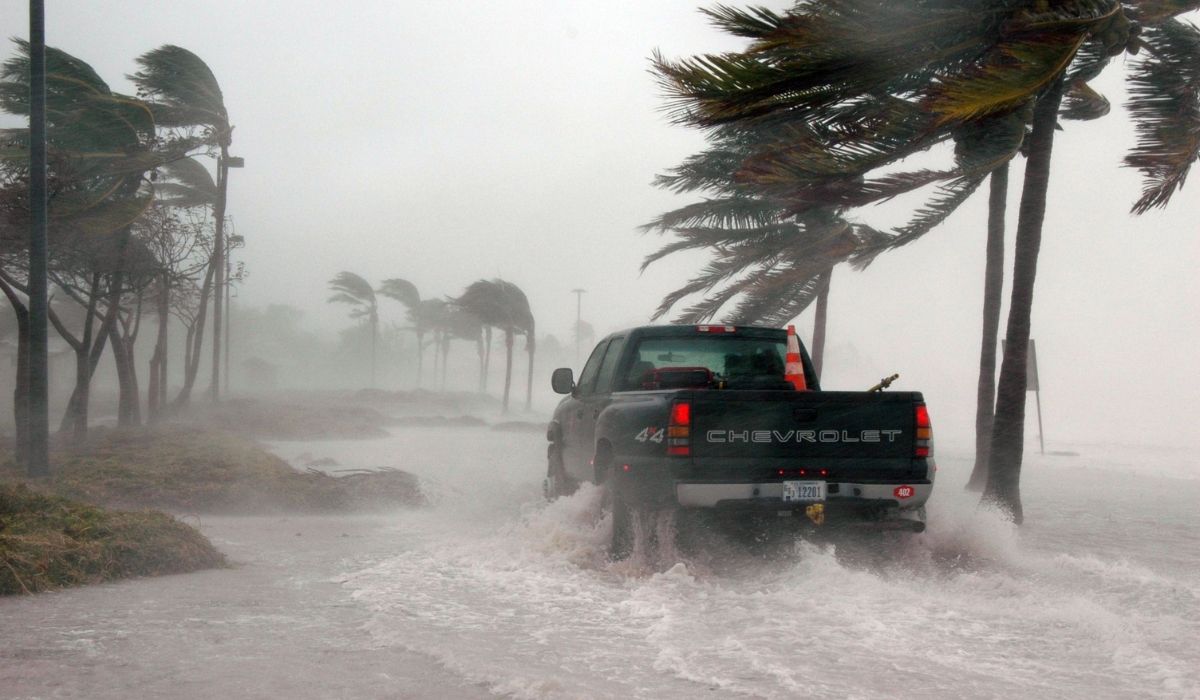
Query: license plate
[804, 491]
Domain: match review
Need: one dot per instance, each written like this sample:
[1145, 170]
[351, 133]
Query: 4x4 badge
[651, 435]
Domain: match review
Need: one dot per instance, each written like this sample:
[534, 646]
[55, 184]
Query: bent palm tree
[841, 66]
[502, 304]
[184, 93]
[406, 293]
[351, 289]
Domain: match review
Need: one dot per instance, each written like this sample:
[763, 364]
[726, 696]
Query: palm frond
[1164, 102]
[186, 89]
[402, 291]
[944, 203]
[351, 288]
[1082, 103]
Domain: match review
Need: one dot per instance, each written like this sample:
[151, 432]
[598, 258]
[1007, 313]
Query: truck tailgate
[851, 434]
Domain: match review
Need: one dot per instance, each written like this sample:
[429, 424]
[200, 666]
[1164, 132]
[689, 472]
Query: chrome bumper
[691, 495]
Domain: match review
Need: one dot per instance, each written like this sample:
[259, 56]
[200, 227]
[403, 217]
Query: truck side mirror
[563, 380]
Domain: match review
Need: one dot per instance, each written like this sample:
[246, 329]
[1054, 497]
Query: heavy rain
[828, 348]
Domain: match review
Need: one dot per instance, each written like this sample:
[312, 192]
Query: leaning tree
[184, 94]
[349, 288]
[957, 64]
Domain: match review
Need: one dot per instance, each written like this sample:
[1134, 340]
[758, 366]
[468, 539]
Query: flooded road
[491, 591]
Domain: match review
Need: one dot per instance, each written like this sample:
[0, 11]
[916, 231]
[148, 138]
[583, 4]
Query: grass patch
[48, 542]
[185, 469]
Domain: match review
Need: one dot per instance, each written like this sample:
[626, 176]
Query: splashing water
[520, 595]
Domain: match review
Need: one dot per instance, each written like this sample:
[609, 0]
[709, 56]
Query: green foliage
[1164, 102]
[183, 92]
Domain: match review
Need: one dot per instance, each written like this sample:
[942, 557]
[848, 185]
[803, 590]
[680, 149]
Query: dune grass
[49, 542]
[184, 469]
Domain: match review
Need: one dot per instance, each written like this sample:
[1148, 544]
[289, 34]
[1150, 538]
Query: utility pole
[38, 414]
[578, 317]
[224, 163]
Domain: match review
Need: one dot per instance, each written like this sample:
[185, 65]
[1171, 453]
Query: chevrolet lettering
[767, 436]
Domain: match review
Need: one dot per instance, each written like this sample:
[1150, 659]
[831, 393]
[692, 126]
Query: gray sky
[445, 142]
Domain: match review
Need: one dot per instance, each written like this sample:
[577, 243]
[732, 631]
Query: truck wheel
[622, 525]
[557, 483]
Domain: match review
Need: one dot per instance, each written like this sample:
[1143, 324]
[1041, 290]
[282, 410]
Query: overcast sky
[445, 142]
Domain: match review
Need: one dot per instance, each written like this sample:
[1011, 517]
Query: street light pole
[578, 309]
[37, 408]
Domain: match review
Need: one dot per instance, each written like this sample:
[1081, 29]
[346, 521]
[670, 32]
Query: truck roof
[700, 329]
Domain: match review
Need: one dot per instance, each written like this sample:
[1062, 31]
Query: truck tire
[622, 525]
[557, 484]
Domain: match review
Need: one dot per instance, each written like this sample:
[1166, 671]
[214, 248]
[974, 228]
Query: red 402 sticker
[903, 492]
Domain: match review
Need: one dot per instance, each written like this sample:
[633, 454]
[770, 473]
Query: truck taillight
[924, 443]
[716, 329]
[679, 429]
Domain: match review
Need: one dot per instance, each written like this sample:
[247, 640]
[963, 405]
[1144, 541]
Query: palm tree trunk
[529, 346]
[487, 358]
[479, 351]
[819, 322]
[420, 356]
[374, 339]
[993, 288]
[1008, 428]
[508, 346]
[445, 357]
[218, 264]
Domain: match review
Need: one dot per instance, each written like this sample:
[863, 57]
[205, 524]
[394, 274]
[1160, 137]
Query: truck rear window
[730, 361]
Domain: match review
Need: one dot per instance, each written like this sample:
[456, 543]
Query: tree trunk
[420, 356]
[487, 358]
[529, 346]
[374, 338]
[21, 386]
[75, 418]
[508, 346]
[482, 360]
[993, 289]
[218, 265]
[156, 391]
[152, 409]
[187, 348]
[121, 360]
[445, 357]
[196, 336]
[819, 321]
[1008, 427]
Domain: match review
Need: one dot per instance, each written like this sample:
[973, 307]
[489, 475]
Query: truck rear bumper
[904, 496]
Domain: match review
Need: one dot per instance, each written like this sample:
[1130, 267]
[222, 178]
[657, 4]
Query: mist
[386, 515]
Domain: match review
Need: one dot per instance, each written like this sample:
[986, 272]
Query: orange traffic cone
[794, 372]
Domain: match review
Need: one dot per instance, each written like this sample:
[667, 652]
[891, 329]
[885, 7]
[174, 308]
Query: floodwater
[490, 591]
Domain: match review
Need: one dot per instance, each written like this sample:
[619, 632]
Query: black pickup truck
[704, 417]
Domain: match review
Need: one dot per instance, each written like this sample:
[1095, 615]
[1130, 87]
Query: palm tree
[501, 304]
[184, 93]
[843, 66]
[406, 293]
[785, 258]
[351, 289]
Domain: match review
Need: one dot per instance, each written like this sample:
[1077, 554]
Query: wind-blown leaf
[1164, 102]
[402, 291]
